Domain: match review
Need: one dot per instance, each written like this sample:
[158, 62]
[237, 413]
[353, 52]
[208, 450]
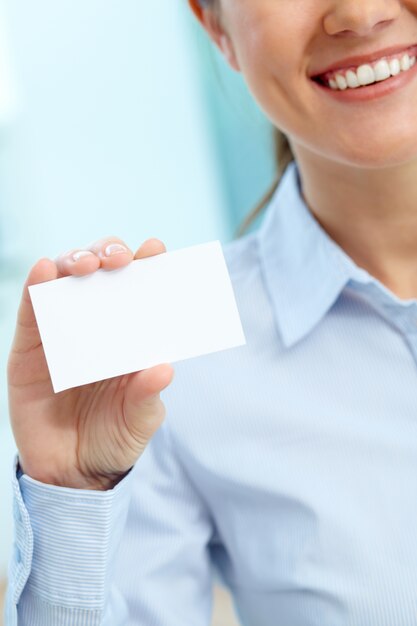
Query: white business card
[166, 308]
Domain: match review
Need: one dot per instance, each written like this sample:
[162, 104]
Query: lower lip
[371, 92]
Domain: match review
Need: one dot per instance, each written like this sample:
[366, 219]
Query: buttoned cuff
[66, 540]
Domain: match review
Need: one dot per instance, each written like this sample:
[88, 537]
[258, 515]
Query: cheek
[274, 66]
[269, 40]
[273, 58]
[264, 57]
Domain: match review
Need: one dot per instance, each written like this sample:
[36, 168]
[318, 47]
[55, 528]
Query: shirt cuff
[66, 539]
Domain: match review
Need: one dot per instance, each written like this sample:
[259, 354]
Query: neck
[370, 213]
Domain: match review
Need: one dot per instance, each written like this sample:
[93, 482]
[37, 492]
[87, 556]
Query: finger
[150, 247]
[77, 262]
[27, 333]
[112, 252]
[143, 409]
[107, 253]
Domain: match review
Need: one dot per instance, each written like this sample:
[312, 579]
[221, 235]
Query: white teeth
[352, 79]
[395, 67]
[405, 63]
[382, 70]
[341, 81]
[367, 74]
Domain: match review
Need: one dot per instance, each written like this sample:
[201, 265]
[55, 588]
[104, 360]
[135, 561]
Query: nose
[360, 17]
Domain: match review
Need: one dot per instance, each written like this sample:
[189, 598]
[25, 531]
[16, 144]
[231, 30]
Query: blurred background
[116, 118]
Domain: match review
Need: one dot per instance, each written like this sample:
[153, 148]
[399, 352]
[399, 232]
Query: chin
[379, 152]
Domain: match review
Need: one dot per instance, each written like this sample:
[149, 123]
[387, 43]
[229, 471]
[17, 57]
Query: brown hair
[283, 157]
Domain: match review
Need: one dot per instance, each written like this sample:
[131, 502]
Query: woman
[289, 464]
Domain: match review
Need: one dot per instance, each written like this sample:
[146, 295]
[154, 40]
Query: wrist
[73, 481]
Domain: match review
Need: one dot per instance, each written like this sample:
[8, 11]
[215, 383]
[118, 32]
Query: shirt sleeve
[136, 555]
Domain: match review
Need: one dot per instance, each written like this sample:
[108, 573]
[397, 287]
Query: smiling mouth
[369, 73]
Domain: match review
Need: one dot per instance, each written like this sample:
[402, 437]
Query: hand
[87, 437]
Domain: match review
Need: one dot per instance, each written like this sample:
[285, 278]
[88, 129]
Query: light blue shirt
[288, 465]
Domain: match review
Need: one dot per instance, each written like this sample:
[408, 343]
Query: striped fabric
[288, 466]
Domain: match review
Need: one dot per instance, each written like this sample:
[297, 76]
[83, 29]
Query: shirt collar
[304, 269]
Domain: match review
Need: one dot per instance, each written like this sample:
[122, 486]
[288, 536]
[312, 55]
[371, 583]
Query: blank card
[173, 306]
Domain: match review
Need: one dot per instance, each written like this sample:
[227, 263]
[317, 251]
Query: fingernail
[81, 253]
[114, 248]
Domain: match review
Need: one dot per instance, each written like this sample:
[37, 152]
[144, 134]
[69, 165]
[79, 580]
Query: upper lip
[361, 59]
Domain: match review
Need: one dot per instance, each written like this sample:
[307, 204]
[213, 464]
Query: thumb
[143, 409]
[27, 333]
